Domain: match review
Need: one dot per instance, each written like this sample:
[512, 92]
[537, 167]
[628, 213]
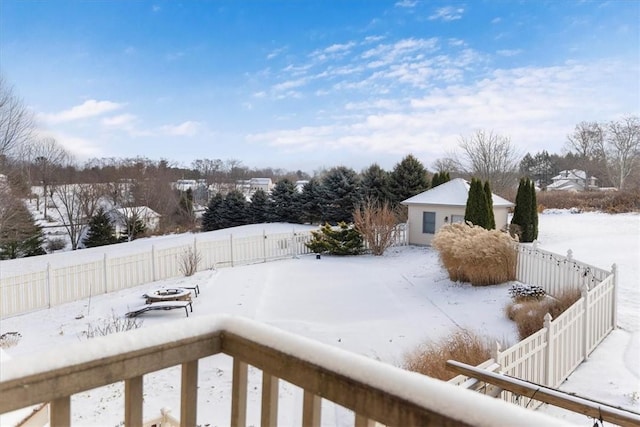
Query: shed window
[429, 222]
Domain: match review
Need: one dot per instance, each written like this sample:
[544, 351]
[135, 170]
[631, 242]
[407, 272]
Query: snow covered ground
[377, 306]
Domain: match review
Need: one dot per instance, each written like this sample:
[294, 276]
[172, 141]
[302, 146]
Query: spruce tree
[21, 236]
[233, 211]
[311, 202]
[211, 213]
[101, 231]
[408, 178]
[341, 240]
[340, 194]
[284, 202]
[375, 184]
[439, 178]
[476, 211]
[259, 207]
[491, 223]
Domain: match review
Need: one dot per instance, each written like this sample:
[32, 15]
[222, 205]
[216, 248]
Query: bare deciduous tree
[16, 121]
[490, 157]
[68, 204]
[587, 142]
[376, 223]
[622, 148]
[46, 155]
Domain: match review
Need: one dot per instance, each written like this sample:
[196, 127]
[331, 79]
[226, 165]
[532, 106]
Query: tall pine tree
[311, 202]
[491, 223]
[211, 213]
[341, 194]
[439, 178]
[408, 178]
[259, 207]
[476, 210]
[284, 202]
[21, 236]
[375, 184]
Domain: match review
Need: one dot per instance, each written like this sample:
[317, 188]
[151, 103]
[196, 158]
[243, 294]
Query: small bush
[9, 339]
[528, 313]
[603, 201]
[111, 325]
[56, 244]
[431, 358]
[472, 254]
[521, 291]
[189, 261]
[341, 240]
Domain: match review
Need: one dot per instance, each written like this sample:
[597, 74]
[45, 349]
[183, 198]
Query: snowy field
[380, 307]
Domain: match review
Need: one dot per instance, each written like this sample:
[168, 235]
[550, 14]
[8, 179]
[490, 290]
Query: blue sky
[309, 84]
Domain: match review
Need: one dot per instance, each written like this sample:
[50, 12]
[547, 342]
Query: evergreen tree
[340, 194]
[439, 178]
[101, 231]
[375, 184]
[525, 214]
[491, 218]
[211, 213]
[138, 230]
[284, 202]
[259, 207]
[233, 211]
[341, 240]
[408, 178]
[311, 202]
[21, 237]
[476, 211]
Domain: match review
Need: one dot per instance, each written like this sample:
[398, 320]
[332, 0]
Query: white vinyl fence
[54, 286]
[550, 355]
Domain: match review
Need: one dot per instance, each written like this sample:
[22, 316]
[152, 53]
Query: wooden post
[364, 421]
[133, 402]
[269, 412]
[311, 410]
[189, 394]
[549, 354]
[239, 394]
[60, 412]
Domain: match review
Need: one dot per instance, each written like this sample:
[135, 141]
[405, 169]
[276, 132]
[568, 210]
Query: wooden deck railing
[373, 390]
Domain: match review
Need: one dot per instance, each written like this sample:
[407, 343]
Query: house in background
[445, 204]
[120, 216]
[572, 180]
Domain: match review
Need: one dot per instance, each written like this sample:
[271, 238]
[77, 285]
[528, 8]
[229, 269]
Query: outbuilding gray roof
[451, 193]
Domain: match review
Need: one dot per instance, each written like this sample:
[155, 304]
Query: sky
[306, 85]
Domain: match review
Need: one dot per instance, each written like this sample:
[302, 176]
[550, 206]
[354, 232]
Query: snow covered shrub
[521, 291]
[341, 240]
[431, 358]
[55, 244]
[9, 339]
[472, 254]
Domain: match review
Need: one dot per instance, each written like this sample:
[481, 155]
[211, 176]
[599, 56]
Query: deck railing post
[60, 415]
[586, 322]
[269, 412]
[311, 410]
[239, 394]
[614, 302]
[189, 394]
[549, 354]
[133, 402]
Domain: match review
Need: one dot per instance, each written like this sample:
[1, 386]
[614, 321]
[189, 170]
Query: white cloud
[496, 20]
[509, 52]
[188, 128]
[89, 108]
[276, 52]
[406, 3]
[120, 121]
[447, 14]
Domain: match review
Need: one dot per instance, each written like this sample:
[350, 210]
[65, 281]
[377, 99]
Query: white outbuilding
[445, 204]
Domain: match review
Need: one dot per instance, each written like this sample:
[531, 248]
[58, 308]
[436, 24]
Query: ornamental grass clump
[473, 254]
[431, 358]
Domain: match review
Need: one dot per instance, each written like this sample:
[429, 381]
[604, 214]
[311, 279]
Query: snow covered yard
[377, 306]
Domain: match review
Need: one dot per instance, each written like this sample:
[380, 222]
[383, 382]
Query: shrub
[472, 254]
[528, 314]
[431, 358]
[56, 244]
[188, 263]
[521, 291]
[603, 201]
[376, 222]
[9, 339]
[343, 240]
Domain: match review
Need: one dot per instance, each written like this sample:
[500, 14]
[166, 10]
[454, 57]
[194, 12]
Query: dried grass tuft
[431, 358]
[472, 254]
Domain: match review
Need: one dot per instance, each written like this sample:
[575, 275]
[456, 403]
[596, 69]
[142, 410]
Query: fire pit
[168, 294]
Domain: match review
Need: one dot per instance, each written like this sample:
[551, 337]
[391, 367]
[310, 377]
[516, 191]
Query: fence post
[231, 247]
[294, 248]
[264, 245]
[549, 355]
[49, 284]
[104, 273]
[153, 263]
[614, 302]
[586, 321]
